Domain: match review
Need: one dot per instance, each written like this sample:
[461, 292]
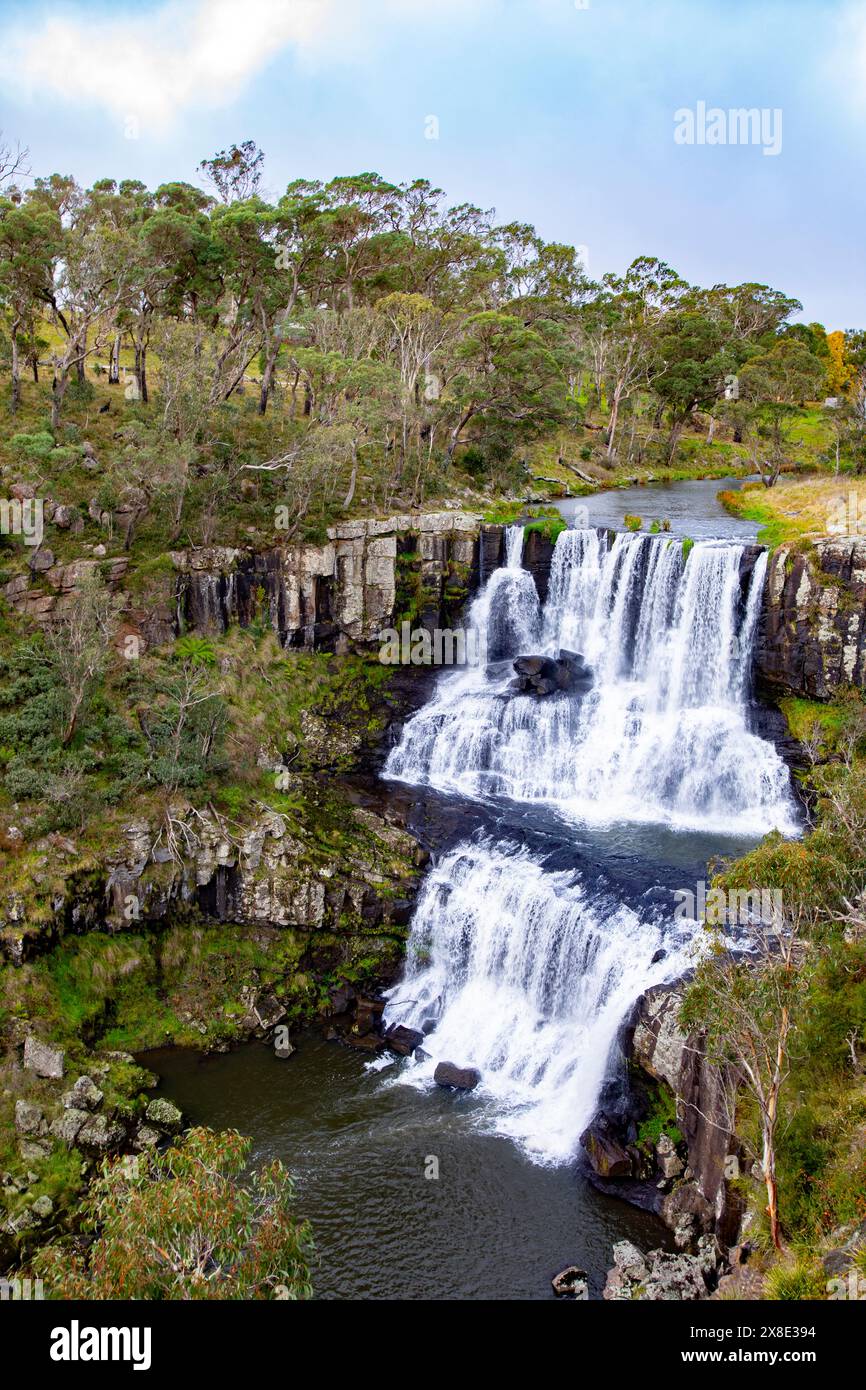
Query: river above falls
[692, 508]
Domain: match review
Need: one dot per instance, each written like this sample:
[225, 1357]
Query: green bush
[32, 446]
[193, 1196]
[802, 1280]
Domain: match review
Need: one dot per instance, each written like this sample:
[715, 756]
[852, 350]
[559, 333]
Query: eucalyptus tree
[509, 381]
[623, 323]
[30, 237]
[89, 280]
[364, 240]
[773, 384]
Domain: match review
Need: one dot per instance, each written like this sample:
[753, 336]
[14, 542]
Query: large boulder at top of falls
[544, 675]
[460, 1078]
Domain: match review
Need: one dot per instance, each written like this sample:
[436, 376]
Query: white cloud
[153, 66]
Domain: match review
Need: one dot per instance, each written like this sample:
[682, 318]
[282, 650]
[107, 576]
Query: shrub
[795, 1282]
[32, 446]
[181, 1225]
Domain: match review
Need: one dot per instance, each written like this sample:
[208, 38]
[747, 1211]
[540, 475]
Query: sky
[583, 117]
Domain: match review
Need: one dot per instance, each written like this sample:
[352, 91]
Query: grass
[796, 1280]
[810, 718]
[800, 509]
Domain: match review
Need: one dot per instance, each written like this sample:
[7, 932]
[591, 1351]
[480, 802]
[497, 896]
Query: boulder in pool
[458, 1078]
[571, 1283]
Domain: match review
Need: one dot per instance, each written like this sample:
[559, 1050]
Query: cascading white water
[662, 735]
[523, 973]
[507, 612]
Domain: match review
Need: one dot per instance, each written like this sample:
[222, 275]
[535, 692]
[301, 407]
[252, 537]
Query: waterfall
[527, 975]
[663, 735]
[507, 614]
[523, 971]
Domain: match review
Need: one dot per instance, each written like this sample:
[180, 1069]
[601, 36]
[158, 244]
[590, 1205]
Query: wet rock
[403, 1040]
[571, 1283]
[543, 675]
[532, 665]
[164, 1114]
[368, 1015]
[608, 1156]
[44, 1060]
[366, 1042]
[459, 1078]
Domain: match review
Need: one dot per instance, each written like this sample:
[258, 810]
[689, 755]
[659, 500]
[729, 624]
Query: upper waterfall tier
[663, 735]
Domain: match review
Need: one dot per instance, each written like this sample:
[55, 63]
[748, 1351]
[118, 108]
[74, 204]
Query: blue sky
[550, 112]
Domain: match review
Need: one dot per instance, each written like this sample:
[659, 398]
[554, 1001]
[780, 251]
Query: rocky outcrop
[694, 1198]
[812, 635]
[661, 1276]
[366, 575]
[46, 592]
[108, 1110]
[538, 548]
[706, 1200]
[545, 675]
[267, 876]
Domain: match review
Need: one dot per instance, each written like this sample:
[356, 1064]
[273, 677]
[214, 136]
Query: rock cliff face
[812, 636]
[694, 1198]
[368, 574]
[264, 877]
[665, 1053]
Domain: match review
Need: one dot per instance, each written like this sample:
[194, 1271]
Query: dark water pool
[493, 1225]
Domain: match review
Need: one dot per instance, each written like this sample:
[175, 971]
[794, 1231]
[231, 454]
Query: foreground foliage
[186, 1224]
